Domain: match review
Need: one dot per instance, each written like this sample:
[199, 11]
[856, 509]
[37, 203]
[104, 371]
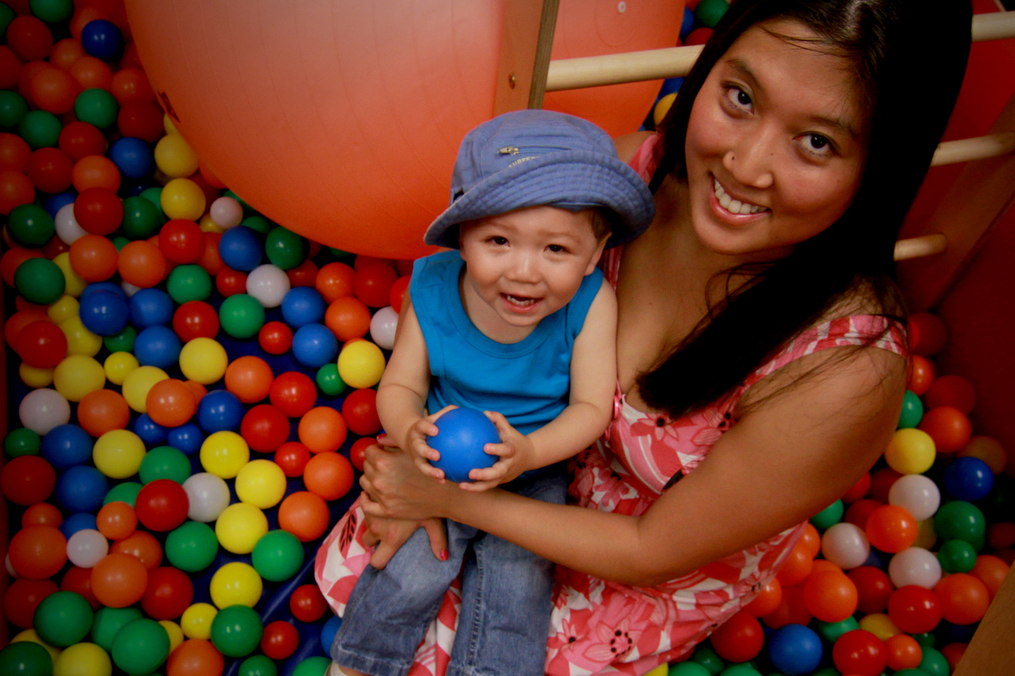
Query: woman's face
[775, 144]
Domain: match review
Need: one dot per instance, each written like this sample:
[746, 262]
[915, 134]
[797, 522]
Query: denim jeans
[506, 600]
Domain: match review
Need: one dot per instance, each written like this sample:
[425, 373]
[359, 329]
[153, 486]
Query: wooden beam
[526, 43]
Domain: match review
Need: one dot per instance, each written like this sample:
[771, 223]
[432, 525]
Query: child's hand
[516, 451]
[420, 452]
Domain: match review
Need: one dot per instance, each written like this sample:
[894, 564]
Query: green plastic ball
[912, 411]
[708, 12]
[328, 380]
[258, 665]
[258, 224]
[22, 441]
[13, 106]
[339, 253]
[926, 640]
[831, 631]
[30, 225]
[164, 462]
[6, 16]
[706, 657]
[236, 631]
[829, 516]
[241, 316]
[121, 342]
[25, 658]
[189, 282]
[96, 106]
[957, 556]
[123, 492]
[40, 281]
[40, 129]
[285, 248]
[688, 668]
[740, 670]
[154, 195]
[934, 663]
[277, 556]
[63, 618]
[192, 547]
[108, 621]
[141, 218]
[958, 520]
[119, 241]
[140, 647]
[52, 11]
[312, 666]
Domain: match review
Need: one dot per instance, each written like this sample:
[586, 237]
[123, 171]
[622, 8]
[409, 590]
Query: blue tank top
[528, 381]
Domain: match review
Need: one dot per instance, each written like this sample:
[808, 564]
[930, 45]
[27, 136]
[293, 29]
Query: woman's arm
[781, 463]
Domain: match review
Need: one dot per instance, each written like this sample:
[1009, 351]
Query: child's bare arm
[589, 410]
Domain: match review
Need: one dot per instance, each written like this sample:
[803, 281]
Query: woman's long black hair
[909, 58]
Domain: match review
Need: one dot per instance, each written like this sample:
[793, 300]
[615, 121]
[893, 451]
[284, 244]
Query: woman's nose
[751, 162]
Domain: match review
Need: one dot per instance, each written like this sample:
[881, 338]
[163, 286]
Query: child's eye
[557, 248]
[498, 240]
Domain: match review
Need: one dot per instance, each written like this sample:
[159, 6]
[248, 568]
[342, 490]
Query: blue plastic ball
[187, 438]
[78, 521]
[687, 25]
[314, 345]
[968, 478]
[303, 305]
[66, 446]
[241, 248]
[463, 432]
[151, 433]
[104, 313]
[150, 307]
[57, 202]
[795, 649]
[329, 630]
[219, 410]
[81, 489]
[133, 157]
[104, 286]
[157, 346]
[102, 39]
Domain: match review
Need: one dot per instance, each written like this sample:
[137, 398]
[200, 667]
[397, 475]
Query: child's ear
[598, 254]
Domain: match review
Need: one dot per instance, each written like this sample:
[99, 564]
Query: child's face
[523, 266]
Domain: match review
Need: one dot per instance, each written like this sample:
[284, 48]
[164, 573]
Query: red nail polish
[444, 555]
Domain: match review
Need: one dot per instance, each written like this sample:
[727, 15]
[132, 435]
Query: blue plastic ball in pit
[462, 434]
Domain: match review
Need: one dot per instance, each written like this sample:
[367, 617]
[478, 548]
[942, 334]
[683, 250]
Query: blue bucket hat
[529, 158]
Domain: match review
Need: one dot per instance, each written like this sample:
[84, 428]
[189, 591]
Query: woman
[760, 341]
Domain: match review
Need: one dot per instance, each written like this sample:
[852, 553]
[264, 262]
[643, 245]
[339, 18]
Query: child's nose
[524, 268]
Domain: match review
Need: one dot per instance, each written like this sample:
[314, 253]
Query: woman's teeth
[732, 205]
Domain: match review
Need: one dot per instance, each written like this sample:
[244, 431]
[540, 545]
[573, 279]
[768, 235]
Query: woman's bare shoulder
[628, 144]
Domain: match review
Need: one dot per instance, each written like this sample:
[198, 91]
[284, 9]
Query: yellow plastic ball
[119, 365]
[167, 124]
[208, 225]
[203, 360]
[182, 198]
[260, 483]
[74, 283]
[138, 382]
[235, 584]
[65, 307]
[224, 454]
[196, 620]
[926, 536]
[118, 453]
[175, 633]
[239, 527]
[662, 107]
[30, 635]
[35, 377]
[83, 659]
[911, 451]
[880, 625]
[78, 375]
[661, 670]
[79, 339]
[988, 450]
[175, 157]
[361, 364]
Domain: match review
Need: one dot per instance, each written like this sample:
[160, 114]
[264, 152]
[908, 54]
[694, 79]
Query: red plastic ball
[49, 170]
[964, 598]
[328, 475]
[360, 412]
[79, 581]
[131, 85]
[859, 490]
[37, 552]
[27, 479]
[307, 603]
[791, 610]
[168, 594]
[280, 640]
[948, 427]
[304, 274]
[195, 319]
[41, 344]
[358, 451]
[15, 189]
[275, 338]
[162, 505]
[397, 294]
[830, 597]
[953, 652]
[14, 153]
[954, 391]
[181, 241]
[230, 282]
[292, 457]
[921, 375]
[29, 38]
[891, 528]
[92, 73]
[10, 68]
[95, 171]
[927, 334]
[873, 588]
[914, 609]
[698, 36]
[55, 91]
[98, 211]
[738, 639]
[23, 597]
[859, 652]
[264, 428]
[294, 393]
[81, 139]
[211, 260]
[372, 283]
[882, 481]
[140, 119]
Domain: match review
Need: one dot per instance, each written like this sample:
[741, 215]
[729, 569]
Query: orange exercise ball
[344, 120]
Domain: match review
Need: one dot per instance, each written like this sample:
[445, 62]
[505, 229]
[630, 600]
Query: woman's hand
[390, 534]
[396, 489]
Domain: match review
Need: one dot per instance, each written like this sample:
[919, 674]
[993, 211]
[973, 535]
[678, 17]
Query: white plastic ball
[67, 227]
[43, 409]
[915, 566]
[918, 494]
[87, 547]
[226, 212]
[209, 496]
[382, 327]
[845, 545]
[129, 288]
[268, 284]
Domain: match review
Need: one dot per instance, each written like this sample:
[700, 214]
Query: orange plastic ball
[322, 430]
[141, 545]
[119, 580]
[37, 552]
[95, 171]
[348, 318]
[951, 390]
[329, 475]
[131, 85]
[103, 410]
[93, 258]
[964, 598]
[830, 596]
[988, 450]
[921, 375]
[797, 566]
[792, 609]
[304, 514]
[41, 514]
[195, 657]
[903, 652]
[948, 427]
[249, 378]
[116, 520]
[891, 528]
[334, 280]
[991, 571]
[142, 264]
[767, 601]
[810, 540]
[92, 73]
[15, 189]
[65, 53]
[171, 402]
[54, 90]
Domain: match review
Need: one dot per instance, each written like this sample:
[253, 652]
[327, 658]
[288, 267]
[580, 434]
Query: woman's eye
[738, 97]
[817, 144]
